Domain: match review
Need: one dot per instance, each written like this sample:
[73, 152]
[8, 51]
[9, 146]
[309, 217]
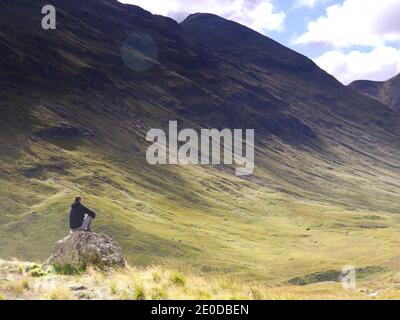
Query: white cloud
[370, 28]
[355, 22]
[308, 3]
[260, 15]
[379, 64]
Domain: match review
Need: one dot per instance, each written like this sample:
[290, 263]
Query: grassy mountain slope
[325, 192]
[385, 91]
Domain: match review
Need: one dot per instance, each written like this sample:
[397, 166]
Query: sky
[350, 39]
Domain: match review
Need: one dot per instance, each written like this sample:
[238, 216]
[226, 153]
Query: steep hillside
[387, 92]
[77, 102]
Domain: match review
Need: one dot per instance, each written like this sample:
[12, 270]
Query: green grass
[35, 270]
[177, 279]
[139, 292]
[205, 220]
[67, 269]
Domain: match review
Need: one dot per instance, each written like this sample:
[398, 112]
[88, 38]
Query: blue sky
[351, 39]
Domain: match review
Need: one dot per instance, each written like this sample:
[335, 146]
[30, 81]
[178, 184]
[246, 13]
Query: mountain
[387, 92]
[77, 103]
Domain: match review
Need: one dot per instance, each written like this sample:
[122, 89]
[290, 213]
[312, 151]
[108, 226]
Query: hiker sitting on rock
[80, 217]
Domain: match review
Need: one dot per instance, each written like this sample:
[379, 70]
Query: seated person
[80, 217]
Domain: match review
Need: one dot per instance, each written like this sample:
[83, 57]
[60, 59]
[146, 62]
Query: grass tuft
[113, 289]
[35, 270]
[60, 293]
[139, 292]
[177, 279]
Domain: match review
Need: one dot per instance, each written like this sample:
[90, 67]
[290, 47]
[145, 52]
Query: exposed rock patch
[333, 276]
[65, 131]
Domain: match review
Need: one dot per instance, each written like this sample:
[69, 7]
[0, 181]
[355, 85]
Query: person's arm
[89, 212]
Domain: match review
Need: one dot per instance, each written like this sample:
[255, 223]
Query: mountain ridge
[386, 92]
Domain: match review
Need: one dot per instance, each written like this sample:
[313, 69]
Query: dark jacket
[77, 214]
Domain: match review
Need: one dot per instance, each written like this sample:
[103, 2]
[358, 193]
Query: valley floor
[21, 280]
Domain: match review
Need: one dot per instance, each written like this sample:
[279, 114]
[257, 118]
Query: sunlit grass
[159, 283]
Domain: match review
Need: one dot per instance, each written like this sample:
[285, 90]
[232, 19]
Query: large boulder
[82, 249]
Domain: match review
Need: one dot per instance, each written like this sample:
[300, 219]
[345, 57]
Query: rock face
[82, 249]
[65, 131]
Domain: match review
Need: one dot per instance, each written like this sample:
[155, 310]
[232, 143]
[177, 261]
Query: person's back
[80, 217]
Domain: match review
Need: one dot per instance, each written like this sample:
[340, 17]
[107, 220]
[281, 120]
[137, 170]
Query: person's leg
[87, 222]
[77, 229]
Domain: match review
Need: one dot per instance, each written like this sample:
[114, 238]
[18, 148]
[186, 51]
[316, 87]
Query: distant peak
[395, 78]
[199, 16]
[364, 83]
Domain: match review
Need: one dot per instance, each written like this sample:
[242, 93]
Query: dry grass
[158, 283]
[60, 292]
[15, 288]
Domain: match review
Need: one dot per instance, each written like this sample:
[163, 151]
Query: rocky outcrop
[82, 249]
[65, 131]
